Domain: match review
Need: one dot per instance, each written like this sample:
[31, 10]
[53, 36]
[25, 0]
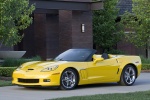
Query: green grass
[118, 96]
[5, 83]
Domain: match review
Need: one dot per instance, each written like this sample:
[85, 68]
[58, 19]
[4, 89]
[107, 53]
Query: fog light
[46, 80]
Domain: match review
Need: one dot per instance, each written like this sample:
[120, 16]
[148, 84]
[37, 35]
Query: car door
[102, 71]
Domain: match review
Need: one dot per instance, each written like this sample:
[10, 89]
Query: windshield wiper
[60, 59]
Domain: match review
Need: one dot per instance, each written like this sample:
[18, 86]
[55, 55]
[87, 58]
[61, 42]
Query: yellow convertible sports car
[78, 67]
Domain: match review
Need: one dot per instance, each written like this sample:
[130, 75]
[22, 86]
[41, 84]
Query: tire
[128, 76]
[68, 80]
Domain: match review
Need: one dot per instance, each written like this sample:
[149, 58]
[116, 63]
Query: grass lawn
[118, 96]
[5, 83]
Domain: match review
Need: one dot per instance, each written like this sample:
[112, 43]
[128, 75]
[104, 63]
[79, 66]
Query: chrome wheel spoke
[131, 80]
[130, 75]
[66, 74]
[64, 80]
[68, 80]
[126, 77]
[67, 83]
[126, 73]
[130, 70]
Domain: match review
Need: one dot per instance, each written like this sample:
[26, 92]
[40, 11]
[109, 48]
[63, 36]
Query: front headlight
[50, 68]
[19, 68]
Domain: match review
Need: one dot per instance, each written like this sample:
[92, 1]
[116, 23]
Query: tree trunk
[148, 49]
[148, 52]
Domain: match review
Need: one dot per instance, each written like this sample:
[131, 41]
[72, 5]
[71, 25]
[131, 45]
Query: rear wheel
[69, 79]
[128, 76]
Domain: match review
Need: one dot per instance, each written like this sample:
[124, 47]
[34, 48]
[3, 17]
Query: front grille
[28, 80]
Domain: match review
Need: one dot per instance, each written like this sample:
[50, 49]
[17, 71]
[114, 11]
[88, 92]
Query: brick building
[59, 25]
[128, 48]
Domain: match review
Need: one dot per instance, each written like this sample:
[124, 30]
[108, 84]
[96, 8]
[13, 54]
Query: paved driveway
[20, 93]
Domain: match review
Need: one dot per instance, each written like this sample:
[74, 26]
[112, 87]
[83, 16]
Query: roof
[124, 5]
[67, 5]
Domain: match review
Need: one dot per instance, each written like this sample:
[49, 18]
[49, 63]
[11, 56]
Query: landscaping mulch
[145, 71]
[6, 78]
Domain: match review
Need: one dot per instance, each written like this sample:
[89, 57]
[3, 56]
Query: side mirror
[98, 59]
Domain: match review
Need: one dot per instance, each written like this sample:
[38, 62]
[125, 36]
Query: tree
[14, 17]
[139, 23]
[106, 31]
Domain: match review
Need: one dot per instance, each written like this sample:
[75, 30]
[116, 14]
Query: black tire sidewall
[76, 79]
[123, 75]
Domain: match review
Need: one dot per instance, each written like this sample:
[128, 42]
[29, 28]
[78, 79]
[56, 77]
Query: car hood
[40, 64]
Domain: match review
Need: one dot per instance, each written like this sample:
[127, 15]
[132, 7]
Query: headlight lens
[50, 68]
[19, 68]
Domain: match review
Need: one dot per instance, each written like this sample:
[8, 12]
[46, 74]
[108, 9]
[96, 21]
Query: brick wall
[82, 39]
[130, 49]
[40, 35]
[53, 33]
[65, 30]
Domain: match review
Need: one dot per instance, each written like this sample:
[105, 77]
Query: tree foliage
[106, 31]
[14, 17]
[139, 23]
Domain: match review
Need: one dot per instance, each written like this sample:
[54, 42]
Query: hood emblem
[29, 70]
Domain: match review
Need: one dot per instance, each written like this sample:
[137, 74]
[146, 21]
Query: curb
[145, 71]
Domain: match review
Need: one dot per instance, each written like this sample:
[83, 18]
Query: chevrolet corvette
[79, 67]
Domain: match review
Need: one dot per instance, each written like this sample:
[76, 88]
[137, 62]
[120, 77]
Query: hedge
[11, 62]
[7, 71]
[145, 66]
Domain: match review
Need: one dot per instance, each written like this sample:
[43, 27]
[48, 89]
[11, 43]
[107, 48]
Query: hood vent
[30, 69]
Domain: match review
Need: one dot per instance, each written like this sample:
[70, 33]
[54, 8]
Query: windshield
[76, 55]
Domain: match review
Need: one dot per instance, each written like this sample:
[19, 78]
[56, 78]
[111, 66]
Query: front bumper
[36, 79]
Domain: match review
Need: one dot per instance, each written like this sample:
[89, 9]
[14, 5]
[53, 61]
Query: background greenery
[18, 62]
[7, 71]
[15, 16]
[106, 31]
[5, 83]
[145, 63]
[139, 23]
[9, 65]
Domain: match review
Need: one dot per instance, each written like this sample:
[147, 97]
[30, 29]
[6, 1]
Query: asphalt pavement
[20, 93]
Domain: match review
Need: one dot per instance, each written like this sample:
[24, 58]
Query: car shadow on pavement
[97, 85]
[78, 87]
[137, 83]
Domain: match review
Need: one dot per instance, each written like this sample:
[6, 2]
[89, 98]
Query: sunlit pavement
[21, 93]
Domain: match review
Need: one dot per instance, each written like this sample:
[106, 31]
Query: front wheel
[128, 76]
[68, 80]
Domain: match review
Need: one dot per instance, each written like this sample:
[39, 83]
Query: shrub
[113, 51]
[18, 62]
[145, 60]
[145, 66]
[0, 72]
[7, 71]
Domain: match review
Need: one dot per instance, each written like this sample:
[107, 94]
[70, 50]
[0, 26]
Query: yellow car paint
[89, 72]
[96, 71]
